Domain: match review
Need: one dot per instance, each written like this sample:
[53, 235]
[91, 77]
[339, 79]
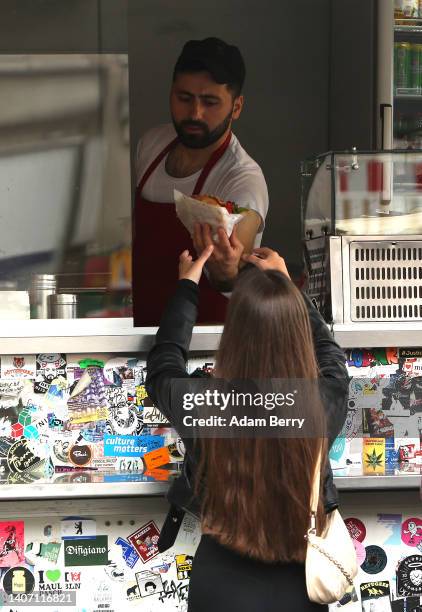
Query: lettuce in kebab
[231, 207]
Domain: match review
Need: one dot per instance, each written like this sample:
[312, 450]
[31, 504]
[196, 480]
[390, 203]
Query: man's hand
[223, 265]
[267, 259]
[190, 269]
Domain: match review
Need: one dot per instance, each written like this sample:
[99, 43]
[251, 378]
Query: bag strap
[315, 494]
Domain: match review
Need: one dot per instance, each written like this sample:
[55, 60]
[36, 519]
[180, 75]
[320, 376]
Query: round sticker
[375, 560]
[411, 531]
[356, 529]
[18, 580]
[360, 551]
[80, 455]
[409, 576]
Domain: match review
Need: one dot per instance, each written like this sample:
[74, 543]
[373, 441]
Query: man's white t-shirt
[235, 177]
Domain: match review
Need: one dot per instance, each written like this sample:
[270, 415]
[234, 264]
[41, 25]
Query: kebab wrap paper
[191, 211]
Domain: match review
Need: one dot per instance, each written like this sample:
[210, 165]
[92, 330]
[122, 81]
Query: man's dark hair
[224, 62]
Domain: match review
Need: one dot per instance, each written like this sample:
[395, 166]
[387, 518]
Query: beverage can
[402, 66]
[415, 69]
[418, 50]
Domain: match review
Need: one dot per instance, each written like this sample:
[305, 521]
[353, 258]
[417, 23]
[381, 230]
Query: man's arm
[247, 230]
[247, 188]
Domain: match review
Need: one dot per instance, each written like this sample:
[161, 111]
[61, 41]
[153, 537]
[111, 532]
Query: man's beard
[203, 139]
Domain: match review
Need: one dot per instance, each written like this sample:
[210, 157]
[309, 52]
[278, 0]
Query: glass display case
[362, 193]
[362, 230]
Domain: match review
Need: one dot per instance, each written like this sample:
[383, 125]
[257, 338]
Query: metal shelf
[87, 335]
[90, 490]
[378, 334]
[408, 98]
[356, 483]
[79, 490]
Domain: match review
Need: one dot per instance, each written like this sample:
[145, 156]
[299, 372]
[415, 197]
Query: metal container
[63, 305]
[42, 285]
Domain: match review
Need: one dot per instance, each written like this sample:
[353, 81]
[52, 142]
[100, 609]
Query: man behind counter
[198, 154]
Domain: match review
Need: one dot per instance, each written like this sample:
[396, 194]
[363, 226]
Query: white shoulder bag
[331, 562]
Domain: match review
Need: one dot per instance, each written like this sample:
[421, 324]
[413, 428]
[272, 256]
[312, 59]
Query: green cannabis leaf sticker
[373, 460]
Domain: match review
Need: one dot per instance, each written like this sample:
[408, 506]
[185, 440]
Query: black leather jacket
[167, 360]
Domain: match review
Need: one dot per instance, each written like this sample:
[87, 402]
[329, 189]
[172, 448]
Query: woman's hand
[190, 269]
[224, 264]
[267, 259]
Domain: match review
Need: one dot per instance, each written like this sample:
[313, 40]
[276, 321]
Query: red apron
[158, 240]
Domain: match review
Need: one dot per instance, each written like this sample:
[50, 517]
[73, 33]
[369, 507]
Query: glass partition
[65, 189]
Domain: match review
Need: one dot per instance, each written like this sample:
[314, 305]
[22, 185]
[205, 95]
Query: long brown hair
[256, 492]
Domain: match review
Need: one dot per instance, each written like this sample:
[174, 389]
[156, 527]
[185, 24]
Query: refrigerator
[399, 74]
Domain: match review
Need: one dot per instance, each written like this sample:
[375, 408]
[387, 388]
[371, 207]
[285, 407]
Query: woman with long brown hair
[251, 494]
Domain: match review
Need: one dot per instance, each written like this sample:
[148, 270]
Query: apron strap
[215, 157]
[155, 163]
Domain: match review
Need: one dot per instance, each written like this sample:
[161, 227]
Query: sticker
[80, 455]
[48, 367]
[77, 527]
[103, 596]
[406, 452]
[360, 551]
[48, 580]
[151, 414]
[11, 543]
[18, 366]
[125, 418]
[184, 566]
[114, 571]
[377, 424]
[131, 446]
[145, 540]
[375, 560]
[411, 531]
[21, 458]
[90, 551]
[129, 554]
[409, 576]
[157, 458]
[393, 521]
[37, 550]
[375, 596]
[161, 569]
[11, 388]
[356, 528]
[132, 592]
[373, 455]
[149, 583]
[173, 591]
[18, 580]
[117, 372]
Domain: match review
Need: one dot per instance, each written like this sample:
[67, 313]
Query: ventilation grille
[386, 281]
